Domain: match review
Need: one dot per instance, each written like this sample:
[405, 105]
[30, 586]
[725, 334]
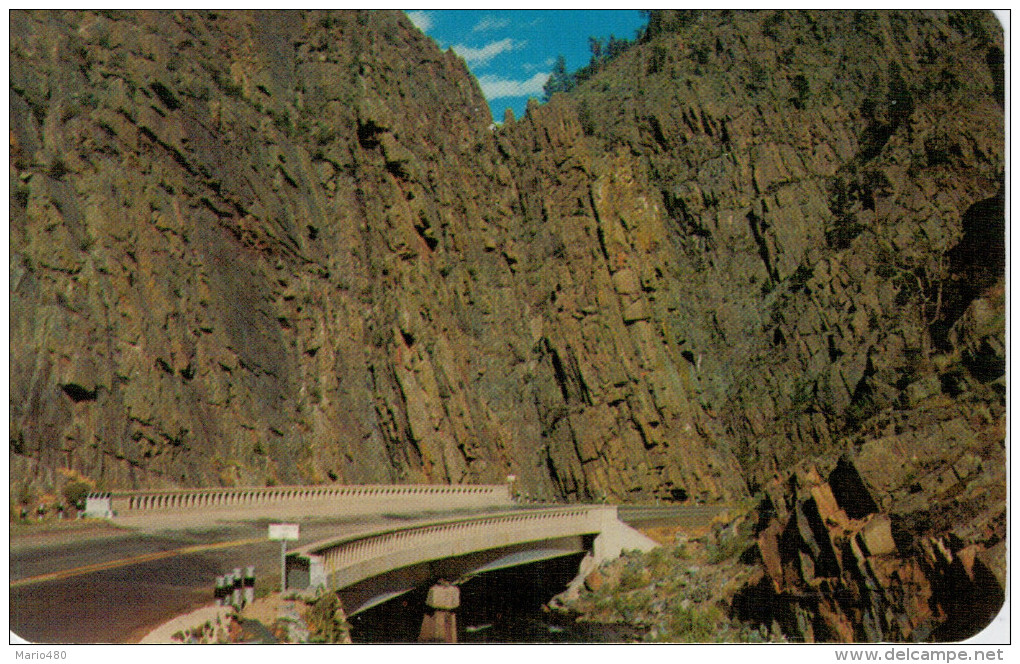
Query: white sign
[283, 531]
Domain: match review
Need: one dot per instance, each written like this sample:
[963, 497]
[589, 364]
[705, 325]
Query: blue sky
[511, 52]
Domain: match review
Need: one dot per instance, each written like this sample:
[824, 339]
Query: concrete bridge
[299, 501]
[460, 531]
[370, 568]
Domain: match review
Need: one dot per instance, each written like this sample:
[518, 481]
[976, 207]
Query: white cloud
[548, 62]
[421, 20]
[490, 23]
[481, 56]
[495, 87]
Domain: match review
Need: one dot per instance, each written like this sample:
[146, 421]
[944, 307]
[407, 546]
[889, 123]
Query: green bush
[693, 625]
[75, 493]
[633, 606]
[632, 577]
[326, 623]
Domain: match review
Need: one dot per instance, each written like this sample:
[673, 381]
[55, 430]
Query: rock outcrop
[280, 247]
[835, 568]
[253, 248]
[827, 180]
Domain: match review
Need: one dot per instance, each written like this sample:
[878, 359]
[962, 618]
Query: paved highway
[104, 585]
[82, 588]
[683, 516]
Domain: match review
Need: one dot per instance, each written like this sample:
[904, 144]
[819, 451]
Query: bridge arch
[377, 566]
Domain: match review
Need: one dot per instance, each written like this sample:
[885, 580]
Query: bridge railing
[343, 561]
[349, 499]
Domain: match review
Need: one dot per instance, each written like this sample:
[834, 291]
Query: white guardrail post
[296, 500]
[99, 506]
[249, 585]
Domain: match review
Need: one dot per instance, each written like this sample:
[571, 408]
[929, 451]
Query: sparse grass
[730, 548]
[326, 621]
[664, 561]
[693, 625]
[679, 593]
[266, 584]
[631, 606]
[633, 577]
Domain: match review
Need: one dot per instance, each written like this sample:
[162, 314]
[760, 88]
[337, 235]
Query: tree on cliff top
[559, 79]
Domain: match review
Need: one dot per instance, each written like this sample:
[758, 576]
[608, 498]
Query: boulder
[594, 581]
[768, 549]
[828, 507]
[876, 536]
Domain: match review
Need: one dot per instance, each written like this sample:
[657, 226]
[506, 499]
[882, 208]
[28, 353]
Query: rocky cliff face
[819, 174]
[290, 247]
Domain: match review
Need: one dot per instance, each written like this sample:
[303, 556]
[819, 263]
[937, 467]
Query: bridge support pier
[440, 622]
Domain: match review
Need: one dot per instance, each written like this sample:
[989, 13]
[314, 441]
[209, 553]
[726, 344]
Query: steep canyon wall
[253, 248]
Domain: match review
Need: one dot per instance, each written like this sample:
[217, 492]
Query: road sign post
[283, 532]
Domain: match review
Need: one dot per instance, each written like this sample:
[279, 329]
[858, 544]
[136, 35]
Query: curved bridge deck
[378, 565]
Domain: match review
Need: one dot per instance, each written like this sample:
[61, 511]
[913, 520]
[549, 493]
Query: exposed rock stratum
[291, 247]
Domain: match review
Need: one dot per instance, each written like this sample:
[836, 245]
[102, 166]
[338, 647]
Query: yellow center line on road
[134, 560]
